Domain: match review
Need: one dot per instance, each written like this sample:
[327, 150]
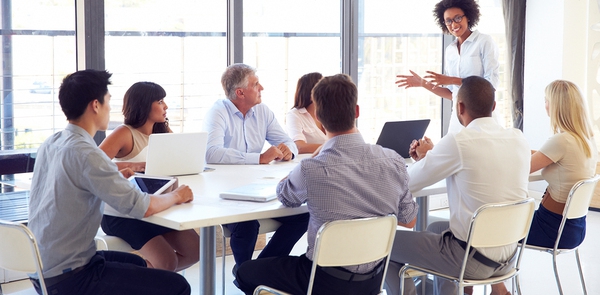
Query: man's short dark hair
[80, 88]
[335, 98]
[478, 95]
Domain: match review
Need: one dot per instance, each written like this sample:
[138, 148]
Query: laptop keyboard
[14, 206]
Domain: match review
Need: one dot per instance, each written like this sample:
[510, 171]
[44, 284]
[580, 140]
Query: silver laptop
[255, 192]
[172, 154]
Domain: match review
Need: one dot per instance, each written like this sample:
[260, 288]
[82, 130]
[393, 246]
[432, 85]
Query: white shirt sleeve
[440, 162]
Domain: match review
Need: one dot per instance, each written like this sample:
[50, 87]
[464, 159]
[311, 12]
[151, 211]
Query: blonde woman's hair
[567, 111]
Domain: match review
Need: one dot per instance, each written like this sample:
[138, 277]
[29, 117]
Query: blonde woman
[569, 156]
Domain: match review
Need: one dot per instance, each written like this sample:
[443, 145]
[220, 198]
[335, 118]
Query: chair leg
[401, 283]
[516, 286]
[223, 249]
[580, 271]
[560, 291]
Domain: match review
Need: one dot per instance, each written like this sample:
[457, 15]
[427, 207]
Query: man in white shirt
[484, 163]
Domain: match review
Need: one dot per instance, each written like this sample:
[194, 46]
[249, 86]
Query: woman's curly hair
[469, 7]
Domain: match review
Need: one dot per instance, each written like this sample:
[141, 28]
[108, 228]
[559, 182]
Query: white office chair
[576, 206]
[19, 251]
[267, 225]
[492, 225]
[349, 242]
[106, 242]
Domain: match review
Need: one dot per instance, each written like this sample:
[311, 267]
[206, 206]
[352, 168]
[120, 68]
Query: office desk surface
[207, 209]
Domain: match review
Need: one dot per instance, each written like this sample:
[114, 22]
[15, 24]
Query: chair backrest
[580, 196]
[352, 242]
[19, 250]
[501, 224]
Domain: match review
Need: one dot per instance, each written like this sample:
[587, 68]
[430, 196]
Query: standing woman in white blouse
[471, 54]
[301, 121]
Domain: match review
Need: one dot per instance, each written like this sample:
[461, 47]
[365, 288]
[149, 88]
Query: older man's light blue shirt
[235, 139]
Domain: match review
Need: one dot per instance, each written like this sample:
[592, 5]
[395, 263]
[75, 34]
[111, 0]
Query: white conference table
[207, 210]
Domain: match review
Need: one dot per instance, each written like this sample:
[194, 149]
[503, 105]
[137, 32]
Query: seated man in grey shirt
[72, 178]
[347, 179]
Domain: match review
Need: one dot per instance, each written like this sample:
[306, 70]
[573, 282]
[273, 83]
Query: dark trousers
[115, 273]
[244, 234]
[544, 230]
[292, 273]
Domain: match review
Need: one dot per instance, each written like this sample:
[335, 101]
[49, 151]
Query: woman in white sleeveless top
[301, 121]
[145, 113]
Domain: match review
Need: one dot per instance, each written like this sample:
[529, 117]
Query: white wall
[556, 47]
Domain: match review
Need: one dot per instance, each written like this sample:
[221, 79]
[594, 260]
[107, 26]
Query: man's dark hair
[469, 7]
[80, 88]
[335, 98]
[477, 94]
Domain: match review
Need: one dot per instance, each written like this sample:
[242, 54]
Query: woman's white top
[478, 57]
[300, 125]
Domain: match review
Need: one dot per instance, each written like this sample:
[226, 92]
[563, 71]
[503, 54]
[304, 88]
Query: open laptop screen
[397, 135]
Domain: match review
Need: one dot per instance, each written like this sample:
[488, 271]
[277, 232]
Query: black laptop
[398, 135]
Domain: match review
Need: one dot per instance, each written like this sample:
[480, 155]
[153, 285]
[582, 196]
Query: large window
[395, 37]
[179, 45]
[38, 41]
[285, 39]
[182, 46]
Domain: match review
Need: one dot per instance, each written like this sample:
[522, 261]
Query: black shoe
[234, 270]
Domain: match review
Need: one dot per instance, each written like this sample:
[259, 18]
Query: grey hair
[234, 77]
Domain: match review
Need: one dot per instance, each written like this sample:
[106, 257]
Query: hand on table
[285, 150]
[273, 153]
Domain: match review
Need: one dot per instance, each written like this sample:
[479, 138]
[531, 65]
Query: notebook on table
[398, 135]
[255, 192]
[173, 154]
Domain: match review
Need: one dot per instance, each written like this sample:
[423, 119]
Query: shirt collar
[344, 140]
[471, 38]
[78, 130]
[233, 109]
[484, 121]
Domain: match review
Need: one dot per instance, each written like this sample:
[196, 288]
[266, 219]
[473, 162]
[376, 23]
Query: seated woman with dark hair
[145, 113]
[301, 122]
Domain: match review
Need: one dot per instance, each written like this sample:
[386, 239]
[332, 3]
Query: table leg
[421, 225]
[423, 214]
[207, 264]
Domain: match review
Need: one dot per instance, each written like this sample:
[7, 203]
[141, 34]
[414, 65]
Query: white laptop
[255, 192]
[173, 154]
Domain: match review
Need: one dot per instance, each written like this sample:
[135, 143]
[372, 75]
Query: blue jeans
[110, 272]
[244, 234]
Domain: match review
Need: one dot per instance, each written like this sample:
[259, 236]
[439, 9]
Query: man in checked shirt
[346, 179]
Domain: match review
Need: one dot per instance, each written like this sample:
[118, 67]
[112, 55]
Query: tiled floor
[537, 276]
